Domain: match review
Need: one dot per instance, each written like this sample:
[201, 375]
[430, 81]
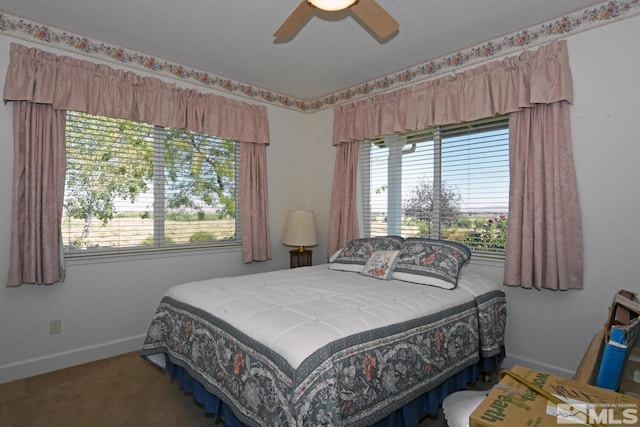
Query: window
[134, 186]
[449, 182]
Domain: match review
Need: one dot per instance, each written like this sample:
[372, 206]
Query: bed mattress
[290, 346]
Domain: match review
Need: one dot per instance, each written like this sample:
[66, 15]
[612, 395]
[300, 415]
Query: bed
[329, 344]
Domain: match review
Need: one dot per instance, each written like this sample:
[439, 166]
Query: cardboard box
[623, 312]
[512, 404]
[631, 375]
[589, 367]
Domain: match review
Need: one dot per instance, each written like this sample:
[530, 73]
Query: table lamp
[300, 230]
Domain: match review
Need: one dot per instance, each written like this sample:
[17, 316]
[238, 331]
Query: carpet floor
[121, 391]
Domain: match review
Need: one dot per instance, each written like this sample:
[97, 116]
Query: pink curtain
[64, 83]
[343, 219]
[499, 87]
[38, 194]
[255, 204]
[545, 224]
[72, 84]
[547, 250]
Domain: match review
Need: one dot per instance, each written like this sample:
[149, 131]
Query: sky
[477, 169]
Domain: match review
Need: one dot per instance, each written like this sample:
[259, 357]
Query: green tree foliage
[491, 235]
[197, 171]
[202, 236]
[106, 160]
[420, 205]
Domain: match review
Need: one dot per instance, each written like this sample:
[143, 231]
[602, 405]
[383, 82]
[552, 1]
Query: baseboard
[511, 360]
[53, 362]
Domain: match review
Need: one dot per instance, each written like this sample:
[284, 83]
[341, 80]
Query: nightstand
[300, 258]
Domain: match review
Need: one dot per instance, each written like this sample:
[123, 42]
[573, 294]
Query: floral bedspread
[354, 381]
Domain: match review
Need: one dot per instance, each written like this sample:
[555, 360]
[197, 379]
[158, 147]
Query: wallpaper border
[601, 14]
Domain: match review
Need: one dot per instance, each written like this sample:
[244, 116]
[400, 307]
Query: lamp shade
[300, 229]
[332, 5]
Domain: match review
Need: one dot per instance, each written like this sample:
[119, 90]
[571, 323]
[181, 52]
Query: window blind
[135, 186]
[449, 182]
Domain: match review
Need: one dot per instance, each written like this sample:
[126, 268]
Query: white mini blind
[135, 186]
[449, 182]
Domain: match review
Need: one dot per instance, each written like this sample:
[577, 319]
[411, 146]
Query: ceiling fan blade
[375, 18]
[295, 21]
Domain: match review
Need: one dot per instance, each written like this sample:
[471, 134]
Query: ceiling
[234, 38]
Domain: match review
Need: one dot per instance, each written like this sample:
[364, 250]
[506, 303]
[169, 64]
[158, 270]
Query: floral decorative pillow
[381, 264]
[357, 252]
[431, 262]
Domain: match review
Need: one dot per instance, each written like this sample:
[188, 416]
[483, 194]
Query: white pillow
[381, 264]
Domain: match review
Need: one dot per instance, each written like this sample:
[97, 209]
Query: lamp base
[300, 258]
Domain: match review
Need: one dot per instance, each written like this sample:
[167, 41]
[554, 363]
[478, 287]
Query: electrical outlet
[55, 327]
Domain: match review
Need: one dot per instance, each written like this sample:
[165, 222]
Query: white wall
[105, 308]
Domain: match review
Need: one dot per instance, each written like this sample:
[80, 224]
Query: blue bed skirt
[407, 416]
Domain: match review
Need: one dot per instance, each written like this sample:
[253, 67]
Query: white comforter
[296, 312]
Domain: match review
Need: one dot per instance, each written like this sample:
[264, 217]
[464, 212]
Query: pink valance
[71, 84]
[499, 87]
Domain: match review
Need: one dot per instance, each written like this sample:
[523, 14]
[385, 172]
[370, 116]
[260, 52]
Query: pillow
[335, 255]
[381, 264]
[431, 262]
[355, 254]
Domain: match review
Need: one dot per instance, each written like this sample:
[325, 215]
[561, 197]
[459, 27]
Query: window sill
[490, 260]
[133, 255]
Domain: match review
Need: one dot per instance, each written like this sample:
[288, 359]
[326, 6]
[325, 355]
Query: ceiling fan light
[332, 5]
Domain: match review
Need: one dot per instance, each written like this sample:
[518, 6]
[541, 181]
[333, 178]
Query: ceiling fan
[372, 15]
